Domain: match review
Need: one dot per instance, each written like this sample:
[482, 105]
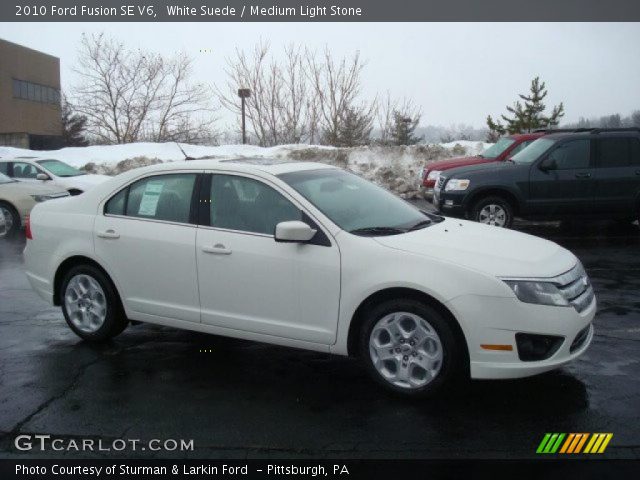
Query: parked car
[593, 173]
[282, 253]
[17, 199]
[500, 151]
[50, 171]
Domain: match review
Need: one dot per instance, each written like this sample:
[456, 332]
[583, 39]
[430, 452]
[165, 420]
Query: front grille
[580, 339]
[575, 286]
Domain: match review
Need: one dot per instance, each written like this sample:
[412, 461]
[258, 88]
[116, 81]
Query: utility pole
[244, 93]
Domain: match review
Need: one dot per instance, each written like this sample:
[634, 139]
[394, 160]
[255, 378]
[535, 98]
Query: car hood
[457, 162]
[483, 167]
[83, 182]
[26, 188]
[491, 250]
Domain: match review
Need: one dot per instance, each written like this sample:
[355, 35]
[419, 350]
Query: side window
[635, 151]
[24, 170]
[571, 155]
[161, 197]
[244, 204]
[613, 152]
[520, 147]
[115, 205]
[4, 167]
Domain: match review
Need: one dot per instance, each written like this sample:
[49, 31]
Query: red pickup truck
[503, 149]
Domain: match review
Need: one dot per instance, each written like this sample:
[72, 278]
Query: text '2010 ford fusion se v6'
[307, 255]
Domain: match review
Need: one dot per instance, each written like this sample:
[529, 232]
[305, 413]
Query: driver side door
[563, 182]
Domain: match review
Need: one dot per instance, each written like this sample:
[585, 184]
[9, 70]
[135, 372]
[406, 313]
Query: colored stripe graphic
[573, 443]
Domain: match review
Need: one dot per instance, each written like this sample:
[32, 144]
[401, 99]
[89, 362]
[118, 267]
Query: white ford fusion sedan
[310, 256]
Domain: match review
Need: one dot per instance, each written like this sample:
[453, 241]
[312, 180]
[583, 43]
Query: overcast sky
[457, 72]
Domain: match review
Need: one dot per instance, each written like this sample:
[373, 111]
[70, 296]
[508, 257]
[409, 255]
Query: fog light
[533, 348]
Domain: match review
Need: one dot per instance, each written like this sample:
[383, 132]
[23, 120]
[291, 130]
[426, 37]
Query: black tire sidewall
[16, 220]
[115, 320]
[452, 355]
[480, 204]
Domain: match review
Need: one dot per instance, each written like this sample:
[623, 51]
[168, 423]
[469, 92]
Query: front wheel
[408, 347]
[11, 223]
[494, 211]
[91, 305]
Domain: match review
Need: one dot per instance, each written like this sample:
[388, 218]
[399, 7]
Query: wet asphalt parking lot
[248, 400]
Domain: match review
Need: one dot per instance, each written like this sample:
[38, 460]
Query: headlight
[457, 184]
[541, 293]
[433, 174]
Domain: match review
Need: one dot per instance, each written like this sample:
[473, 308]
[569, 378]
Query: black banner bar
[330, 469]
[320, 11]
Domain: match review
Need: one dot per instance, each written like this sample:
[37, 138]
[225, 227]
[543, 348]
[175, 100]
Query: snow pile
[396, 168]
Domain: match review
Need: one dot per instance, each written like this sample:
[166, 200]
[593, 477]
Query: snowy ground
[396, 168]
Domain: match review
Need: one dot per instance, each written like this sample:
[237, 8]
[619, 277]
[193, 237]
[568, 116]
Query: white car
[307, 255]
[49, 171]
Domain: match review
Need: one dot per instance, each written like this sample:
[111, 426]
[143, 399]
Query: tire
[91, 305]
[422, 382]
[492, 211]
[12, 220]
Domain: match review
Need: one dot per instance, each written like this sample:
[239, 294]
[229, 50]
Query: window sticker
[150, 198]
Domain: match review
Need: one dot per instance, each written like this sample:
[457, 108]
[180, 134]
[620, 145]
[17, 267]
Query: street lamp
[244, 93]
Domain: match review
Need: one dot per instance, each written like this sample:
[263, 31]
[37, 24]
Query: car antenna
[186, 157]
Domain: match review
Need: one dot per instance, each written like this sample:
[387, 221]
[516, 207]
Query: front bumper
[496, 321]
[449, 204]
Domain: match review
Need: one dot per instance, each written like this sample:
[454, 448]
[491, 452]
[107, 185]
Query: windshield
[497, 148]
[5, 179]
[533, 151]
[354, 204]
[59, 169]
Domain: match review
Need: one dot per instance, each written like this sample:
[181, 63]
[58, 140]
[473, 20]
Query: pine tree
[527, 114]
[403, 129]
[73, 126]
[354, 129]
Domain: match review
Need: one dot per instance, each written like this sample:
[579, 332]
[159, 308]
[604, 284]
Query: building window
[36, 93]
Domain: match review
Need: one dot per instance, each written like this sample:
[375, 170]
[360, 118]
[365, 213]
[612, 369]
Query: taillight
[27, 229]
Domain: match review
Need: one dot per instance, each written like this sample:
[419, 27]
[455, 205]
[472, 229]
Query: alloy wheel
[8, 222]
[86, 303]
[406, 350]
[493, 214]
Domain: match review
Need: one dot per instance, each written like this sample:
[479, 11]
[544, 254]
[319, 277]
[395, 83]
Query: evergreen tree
[353, 130]
[73, 126]
[403, 129]
[527, 114]
[635, 119]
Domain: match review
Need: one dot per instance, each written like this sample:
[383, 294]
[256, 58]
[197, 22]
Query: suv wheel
[493, 211]
[90, 304]
[408, 347]
[11, 221]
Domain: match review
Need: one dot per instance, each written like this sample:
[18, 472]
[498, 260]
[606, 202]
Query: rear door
[567, 185]
[617, 173]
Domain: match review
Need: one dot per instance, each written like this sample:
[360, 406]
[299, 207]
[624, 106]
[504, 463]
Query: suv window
[571, 155]
[24, 170]
[161, 197]
[614, 152]
[244, 204]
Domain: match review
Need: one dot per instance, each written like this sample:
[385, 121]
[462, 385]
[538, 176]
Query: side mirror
[294, 231]
[548, 164]
[43, 177]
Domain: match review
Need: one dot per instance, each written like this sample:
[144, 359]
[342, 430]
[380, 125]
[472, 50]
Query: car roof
[273, 166]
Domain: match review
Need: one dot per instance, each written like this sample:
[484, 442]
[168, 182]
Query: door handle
[583, 175]
[217, 249]
[108, 234]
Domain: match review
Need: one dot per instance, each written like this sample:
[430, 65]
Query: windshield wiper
[377, 231]
[419, 225]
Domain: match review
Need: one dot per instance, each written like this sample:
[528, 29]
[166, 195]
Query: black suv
[578, 174]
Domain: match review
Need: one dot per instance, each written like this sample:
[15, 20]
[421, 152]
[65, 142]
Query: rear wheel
[408, 347]
[91, 305]
[11, 221]
[494, 211]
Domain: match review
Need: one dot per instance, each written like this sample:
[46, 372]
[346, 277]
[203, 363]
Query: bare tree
[397, 119]
[132, 95]
[280, 108]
